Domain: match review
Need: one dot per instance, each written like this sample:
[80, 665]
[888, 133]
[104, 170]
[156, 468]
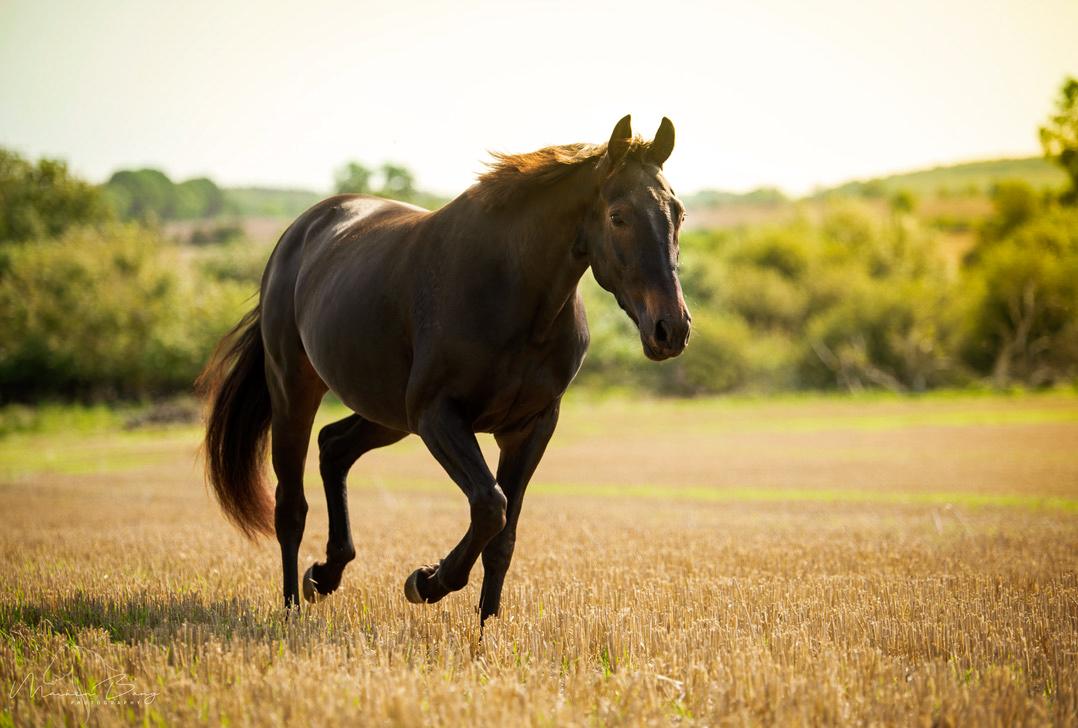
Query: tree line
[40, 199]
[95, 306]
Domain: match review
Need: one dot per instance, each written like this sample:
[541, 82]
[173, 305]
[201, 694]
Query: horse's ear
[620, 138]
[663, 143]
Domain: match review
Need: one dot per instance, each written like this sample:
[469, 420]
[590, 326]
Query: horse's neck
[544, 234]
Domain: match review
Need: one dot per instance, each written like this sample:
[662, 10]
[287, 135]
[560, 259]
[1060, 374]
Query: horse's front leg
[521, 451]
[452, 442]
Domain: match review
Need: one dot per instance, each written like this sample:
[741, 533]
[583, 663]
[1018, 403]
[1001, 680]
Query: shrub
[718, 359]
[881, 334]
[240, 261]
[1019, 308]
[43, 200]
[614, 356]
[99, 314]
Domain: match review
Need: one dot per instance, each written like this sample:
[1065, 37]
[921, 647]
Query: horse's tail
[234, 383]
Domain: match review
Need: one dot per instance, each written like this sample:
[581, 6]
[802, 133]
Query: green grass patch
[55, 418]
[816, 413]
[758, 495]
[76, 440]
[749, 495]
[73, 454]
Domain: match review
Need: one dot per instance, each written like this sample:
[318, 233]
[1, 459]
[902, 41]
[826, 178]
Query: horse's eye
[616, 220]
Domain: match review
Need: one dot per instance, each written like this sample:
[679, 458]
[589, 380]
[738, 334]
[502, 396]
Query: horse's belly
[364, 362]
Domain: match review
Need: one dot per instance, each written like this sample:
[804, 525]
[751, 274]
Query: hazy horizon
[773, 94]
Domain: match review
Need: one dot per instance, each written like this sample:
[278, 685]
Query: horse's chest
[525, 382]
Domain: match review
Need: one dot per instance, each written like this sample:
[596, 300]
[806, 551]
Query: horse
[442, 324]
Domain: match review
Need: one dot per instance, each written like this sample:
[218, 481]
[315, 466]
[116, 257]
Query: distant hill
[722, 198]
[952, 197]
[956, 180]
[269, 201]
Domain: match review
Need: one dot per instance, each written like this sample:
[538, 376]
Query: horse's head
[632, 240]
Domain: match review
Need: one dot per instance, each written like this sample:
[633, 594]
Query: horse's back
[357, 213]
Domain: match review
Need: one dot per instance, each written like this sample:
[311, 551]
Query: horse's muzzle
[666, 336]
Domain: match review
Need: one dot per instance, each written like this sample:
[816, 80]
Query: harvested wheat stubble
[125, 589]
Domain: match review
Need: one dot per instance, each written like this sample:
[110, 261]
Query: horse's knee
[488, 510]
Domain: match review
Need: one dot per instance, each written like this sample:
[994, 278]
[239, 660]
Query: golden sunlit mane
[512, 176]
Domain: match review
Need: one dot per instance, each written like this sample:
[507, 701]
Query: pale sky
[772, 92]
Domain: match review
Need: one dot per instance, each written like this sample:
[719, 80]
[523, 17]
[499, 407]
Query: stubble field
[794, 561]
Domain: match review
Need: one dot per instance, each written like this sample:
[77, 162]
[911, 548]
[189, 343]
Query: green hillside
[967, 179]
[269, 202]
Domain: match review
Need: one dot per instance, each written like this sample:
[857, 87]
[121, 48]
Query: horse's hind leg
[295, 393]
[340, 444]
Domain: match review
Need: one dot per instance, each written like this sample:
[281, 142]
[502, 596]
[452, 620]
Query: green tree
[1059, 136]
[398, 183]
[199, 197]
[149, 194]
[391, 180]
[143, 194]
[1014, 204]
[1019, 310]
[353, 177]
[44, 199]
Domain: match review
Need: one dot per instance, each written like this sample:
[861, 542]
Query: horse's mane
[510, 177]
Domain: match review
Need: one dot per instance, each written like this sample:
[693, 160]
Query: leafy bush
[99, 314]
[217, 233]
[42, 199]
[850, 302]
[719, 360]
[1019, 311]
[614, 355]
[240, 261]
[881, 334]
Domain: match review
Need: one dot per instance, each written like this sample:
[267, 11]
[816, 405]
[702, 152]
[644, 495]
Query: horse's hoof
[310, 588]
[411, 588]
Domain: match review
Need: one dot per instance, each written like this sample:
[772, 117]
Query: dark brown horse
[440, 324]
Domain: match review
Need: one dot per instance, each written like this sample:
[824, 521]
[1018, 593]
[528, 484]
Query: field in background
[794, 561]
[952, 193]
[964, 178]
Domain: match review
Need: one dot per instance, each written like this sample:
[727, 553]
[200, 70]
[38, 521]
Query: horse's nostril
[661, 334]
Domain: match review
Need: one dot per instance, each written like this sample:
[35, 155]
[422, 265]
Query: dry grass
[795, 562]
